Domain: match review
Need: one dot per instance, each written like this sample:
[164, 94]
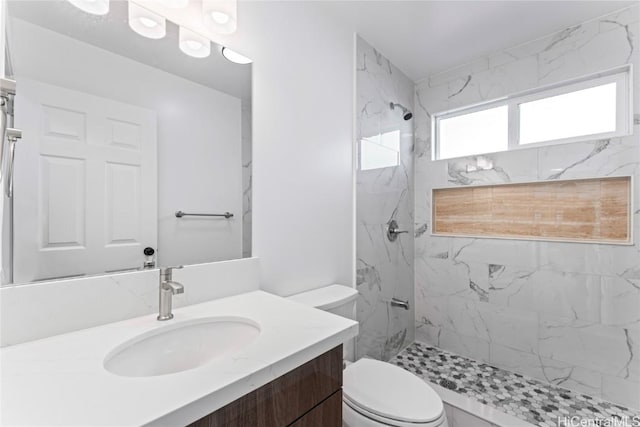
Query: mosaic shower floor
[537, 402]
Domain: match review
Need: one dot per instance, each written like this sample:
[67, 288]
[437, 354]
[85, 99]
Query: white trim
[350, 351]
[476, 409]
[624, 109]
[513, 135]
[630, 224]
[435, 136]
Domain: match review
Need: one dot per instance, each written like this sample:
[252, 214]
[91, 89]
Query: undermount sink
[181, 346]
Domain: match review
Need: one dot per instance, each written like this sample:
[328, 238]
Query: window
[380, 151]
[475, 133]
[583, 112]
[592, 107]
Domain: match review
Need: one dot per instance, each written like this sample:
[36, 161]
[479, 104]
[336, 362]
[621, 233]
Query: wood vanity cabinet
[308, 396]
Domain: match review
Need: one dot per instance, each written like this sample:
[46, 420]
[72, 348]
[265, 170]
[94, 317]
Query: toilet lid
[391, 392]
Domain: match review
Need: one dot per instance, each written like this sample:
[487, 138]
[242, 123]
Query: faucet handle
[165, 270]
[166, 273]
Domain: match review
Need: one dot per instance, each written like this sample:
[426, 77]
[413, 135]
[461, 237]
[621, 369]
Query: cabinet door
[284, 400]
[326, 414]
[288, 399]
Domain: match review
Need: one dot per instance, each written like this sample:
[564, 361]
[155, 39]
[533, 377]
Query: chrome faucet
[168, 288]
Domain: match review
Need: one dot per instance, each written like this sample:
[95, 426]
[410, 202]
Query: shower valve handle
[393, 230]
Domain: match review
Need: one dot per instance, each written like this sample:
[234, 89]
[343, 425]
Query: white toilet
[377, 393]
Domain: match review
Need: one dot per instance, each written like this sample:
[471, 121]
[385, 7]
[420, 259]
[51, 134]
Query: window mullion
[514, 124]
[435, 138]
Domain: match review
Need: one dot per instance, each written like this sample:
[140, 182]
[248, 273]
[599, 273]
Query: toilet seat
[387, 393]
[356, 417]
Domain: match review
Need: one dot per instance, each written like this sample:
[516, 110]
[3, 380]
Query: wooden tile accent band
[595, 210]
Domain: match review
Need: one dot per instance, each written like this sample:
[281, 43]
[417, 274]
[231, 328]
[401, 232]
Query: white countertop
[61, 380]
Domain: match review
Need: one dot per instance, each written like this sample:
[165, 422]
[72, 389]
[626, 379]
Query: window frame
[624, 109]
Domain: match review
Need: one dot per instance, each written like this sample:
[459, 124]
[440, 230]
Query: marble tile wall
[247, 178]
[566, 313]
[384, 268]
[39, 310]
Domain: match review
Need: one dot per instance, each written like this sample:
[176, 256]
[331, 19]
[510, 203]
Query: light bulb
[193, 44]
[94, 7]
[146, 23]
[220, 17]
[235, 56]
[149, 23]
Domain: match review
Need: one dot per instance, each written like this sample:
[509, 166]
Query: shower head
[406, 114]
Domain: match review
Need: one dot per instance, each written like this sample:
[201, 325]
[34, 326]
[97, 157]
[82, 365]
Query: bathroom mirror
[121, 132]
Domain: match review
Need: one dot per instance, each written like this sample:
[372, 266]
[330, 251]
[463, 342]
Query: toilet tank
[336, 299]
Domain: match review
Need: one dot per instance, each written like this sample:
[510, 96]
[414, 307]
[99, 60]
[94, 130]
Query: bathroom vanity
[310, 395]
[280, 365]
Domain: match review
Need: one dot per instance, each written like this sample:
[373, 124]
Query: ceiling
[420, 37]
[425, 37]
[111, 32]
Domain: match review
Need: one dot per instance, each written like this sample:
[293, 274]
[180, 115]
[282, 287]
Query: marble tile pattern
[38, 310]
[529, 399]
[564, 313]
[247, 177]
[384, 268]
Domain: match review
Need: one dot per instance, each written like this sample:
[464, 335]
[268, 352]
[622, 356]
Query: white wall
[5, 262]
[199, 150]
[302, 143]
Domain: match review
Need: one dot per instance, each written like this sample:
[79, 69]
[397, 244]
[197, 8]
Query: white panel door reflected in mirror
[79, 189]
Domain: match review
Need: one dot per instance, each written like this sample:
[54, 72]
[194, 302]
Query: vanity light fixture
[146, 23]
[194, 44]
[234, 56]
[94, 7]
[220, 16]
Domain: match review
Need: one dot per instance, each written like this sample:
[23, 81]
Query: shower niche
[594, 210]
